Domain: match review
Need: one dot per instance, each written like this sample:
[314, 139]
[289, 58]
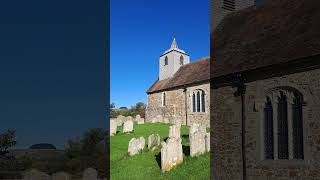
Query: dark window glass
[193, 103]
[164, 99]
[229, 5]
[297, 128]
[166, 60]
[181, 60]
[198, 101]
[282, 127]
[268, 130]
[203, 102]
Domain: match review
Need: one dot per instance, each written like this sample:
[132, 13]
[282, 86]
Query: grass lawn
[146, 165]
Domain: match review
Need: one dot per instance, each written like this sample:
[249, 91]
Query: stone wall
[226, 122]
[175, 108]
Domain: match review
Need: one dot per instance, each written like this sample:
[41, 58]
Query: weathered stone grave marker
[136, 145]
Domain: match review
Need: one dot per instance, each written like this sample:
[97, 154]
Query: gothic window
[198, 101]
[282, 127]
[166, 61]
[163, 99]
[287, 109]
[268, 130]
[297, 127]
[181, 60]
[193, 102]
[202, 102]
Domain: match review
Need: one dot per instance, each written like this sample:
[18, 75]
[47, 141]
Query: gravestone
[136, 145]
[113, 127]
[153, 141]
[197, 140]
[208, 142]
[171, 153]
[34, 174]
[89, 174]
[193, 128]
[174, 131]
[127, 126]
[139, 119]
[120, 120]
[61, 176]
[129, 118]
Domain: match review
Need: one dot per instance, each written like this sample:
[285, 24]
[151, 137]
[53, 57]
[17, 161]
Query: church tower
[171, 60]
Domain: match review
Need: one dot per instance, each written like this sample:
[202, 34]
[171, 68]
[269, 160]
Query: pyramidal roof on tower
[174, 46]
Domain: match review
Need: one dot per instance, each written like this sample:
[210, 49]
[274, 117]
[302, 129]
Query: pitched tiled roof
[195, 72]
[276, 32]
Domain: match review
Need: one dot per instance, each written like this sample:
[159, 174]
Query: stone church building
[265, 92]
[182, 91]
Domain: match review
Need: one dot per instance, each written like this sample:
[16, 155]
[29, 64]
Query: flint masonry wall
[226, 117]
[175, 106]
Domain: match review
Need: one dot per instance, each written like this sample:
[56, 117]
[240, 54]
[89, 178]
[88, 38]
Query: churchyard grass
[146, 165]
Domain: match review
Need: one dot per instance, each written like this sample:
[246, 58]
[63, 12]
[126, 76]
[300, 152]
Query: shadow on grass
[186, 150]
[158, 159]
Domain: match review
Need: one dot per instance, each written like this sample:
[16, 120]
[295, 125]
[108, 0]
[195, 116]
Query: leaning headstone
[153, 141]
[34, 174]
[208, 142]
[113, 127]
[136, 145]
[174, 131]
[197, 140]
[127, 127]
[90, 174]
[171, 153]
[61, 176]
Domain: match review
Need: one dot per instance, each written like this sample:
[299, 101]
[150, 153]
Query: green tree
[112, 112]
[88, 151]
[7, 140]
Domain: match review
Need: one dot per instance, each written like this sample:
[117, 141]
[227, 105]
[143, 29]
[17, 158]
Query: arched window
[163, 99]
[198, 101]
[297, 127]
[166, 61]
[268, 130]
[193, 102]
[284, 108]
[181, 60]
[282, 127]
[203, 102]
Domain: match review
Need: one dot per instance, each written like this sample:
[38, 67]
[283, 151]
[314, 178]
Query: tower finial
[174, 44]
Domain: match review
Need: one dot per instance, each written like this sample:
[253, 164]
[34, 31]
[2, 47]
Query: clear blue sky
[52, 69]
[141, 30]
